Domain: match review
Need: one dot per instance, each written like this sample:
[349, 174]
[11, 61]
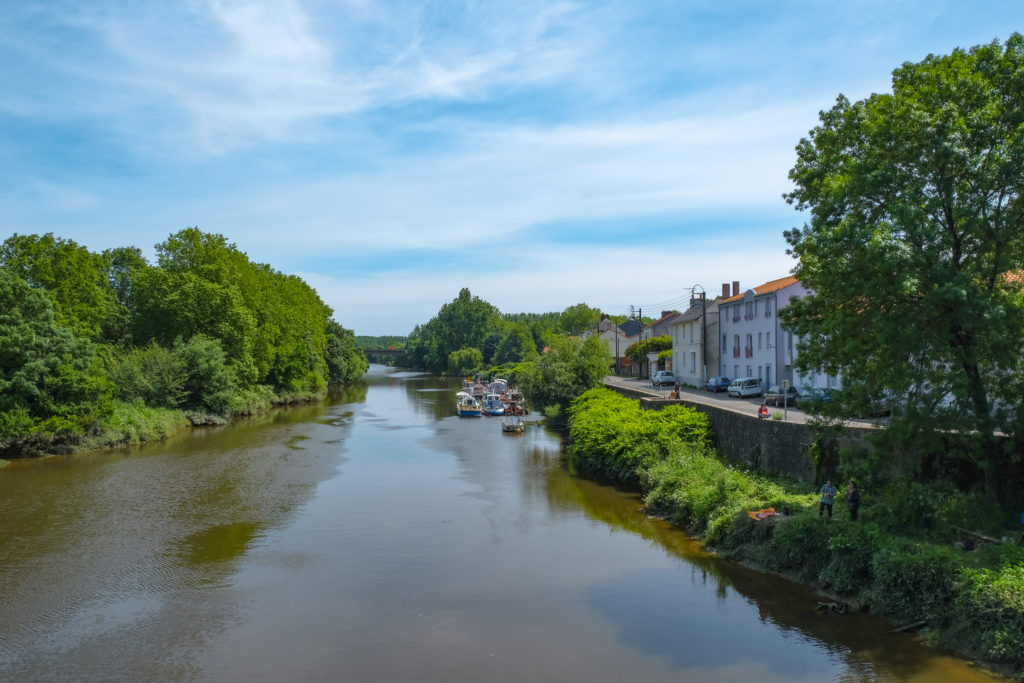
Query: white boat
[467, 406]
[513, 425]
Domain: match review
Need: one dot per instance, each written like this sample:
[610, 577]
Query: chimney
[725, 290]
[665, 313]
[735, 287]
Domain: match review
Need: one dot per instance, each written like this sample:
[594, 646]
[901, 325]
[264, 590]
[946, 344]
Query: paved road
[746, 406]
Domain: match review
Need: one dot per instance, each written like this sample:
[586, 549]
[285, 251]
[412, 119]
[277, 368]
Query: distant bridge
[384, 352]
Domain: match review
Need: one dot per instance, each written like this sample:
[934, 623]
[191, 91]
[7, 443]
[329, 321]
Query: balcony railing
[767, 314]
[750, 351]
[736, 352]
[735, 318]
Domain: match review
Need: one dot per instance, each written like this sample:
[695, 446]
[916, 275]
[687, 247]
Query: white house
[753, 342]
[694, 342]
[788, 350]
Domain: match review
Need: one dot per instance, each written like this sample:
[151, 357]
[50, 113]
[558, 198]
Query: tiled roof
[767, 287]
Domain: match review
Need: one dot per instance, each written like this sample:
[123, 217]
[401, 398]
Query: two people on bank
[828, 496]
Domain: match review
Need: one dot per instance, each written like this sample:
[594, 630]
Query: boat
[513, 425]
[467, 406]
[499, 386]
[493, 405]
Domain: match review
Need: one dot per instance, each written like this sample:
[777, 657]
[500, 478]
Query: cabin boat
[493, 405]
[467, 406]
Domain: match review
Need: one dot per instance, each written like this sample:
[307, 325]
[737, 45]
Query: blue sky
[390, 153]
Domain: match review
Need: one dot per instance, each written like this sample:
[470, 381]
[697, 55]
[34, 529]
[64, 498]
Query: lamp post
[703, 327]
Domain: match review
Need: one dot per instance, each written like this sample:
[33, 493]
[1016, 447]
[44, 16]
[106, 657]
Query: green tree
[915, 244]
[517, 346]
[570, 367]
[345, 360]
[465, 361]
[48, 381]
[579, 318]
[73, 277]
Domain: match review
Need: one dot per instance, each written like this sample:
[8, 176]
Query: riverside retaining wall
[774, 446]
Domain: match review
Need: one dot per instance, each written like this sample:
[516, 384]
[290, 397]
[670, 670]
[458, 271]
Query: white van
[746, 386]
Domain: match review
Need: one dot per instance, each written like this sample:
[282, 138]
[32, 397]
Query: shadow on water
[654, 612]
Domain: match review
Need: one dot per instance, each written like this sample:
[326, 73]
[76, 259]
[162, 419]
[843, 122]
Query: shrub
[989, 614]
[799, 545]
[913, 580]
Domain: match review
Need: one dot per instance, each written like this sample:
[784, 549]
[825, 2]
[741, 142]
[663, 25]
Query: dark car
[777, 395]
[717, 384]
[813, 396]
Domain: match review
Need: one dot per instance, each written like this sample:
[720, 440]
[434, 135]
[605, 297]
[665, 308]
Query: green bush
[913, 580]
[989, 614]
[799, 545]
[852, 548]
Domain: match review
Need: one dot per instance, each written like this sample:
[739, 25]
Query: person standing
[853, 500]
[828, 497]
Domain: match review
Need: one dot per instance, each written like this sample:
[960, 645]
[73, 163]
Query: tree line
[541, 352]
[85, 336]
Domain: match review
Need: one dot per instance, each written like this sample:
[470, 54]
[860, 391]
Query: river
[379, 537]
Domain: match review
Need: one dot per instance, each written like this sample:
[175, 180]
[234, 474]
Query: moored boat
[513, 425]
[493, 405]
[467, 406]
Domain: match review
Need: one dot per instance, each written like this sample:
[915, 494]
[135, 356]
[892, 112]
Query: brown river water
[379, 537]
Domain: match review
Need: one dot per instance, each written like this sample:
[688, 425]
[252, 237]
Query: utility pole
[703, 329]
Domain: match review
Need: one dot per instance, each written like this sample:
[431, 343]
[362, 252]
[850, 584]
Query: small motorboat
[513, 425]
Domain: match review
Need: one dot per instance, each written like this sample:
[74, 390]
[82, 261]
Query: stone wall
[774, 446]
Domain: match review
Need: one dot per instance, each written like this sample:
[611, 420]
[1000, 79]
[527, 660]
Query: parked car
[813, 396]
[717, 384]
[746, 386]
[778, 396]
[662, 377]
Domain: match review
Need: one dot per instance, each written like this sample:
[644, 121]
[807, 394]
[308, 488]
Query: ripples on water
[379, 537]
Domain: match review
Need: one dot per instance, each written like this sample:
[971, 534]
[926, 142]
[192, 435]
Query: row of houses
[737, 334]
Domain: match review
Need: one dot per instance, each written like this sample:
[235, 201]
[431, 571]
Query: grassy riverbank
[133, 423]
[898, 560]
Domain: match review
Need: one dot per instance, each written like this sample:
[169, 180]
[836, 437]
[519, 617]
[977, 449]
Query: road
[745, 406]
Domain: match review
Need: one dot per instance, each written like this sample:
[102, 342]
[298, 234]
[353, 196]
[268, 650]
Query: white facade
[788, 348]
[694, 362]
[750, 335]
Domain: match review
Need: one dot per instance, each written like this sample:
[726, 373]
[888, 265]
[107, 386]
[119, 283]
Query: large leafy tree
[914, 247]
[48, 380]
[74, 278]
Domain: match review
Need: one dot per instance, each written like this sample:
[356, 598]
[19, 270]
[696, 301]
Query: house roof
[766, 288]
[693, 312]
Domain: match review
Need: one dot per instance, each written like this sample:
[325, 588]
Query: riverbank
[135, 423]
[895, 561]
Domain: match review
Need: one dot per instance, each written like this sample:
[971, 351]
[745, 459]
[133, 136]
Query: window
[691, 326]
[758, 341]
[768, 339]
[693, 361]
[767, 307]
[768, 375]
[789, 341]
[725, 342]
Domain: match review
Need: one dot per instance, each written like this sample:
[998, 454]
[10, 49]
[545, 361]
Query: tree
[517, 346]
[579, 318]
[915, 245]
[73, 277]
[570, 367]
[345, 360]
[48, 382]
